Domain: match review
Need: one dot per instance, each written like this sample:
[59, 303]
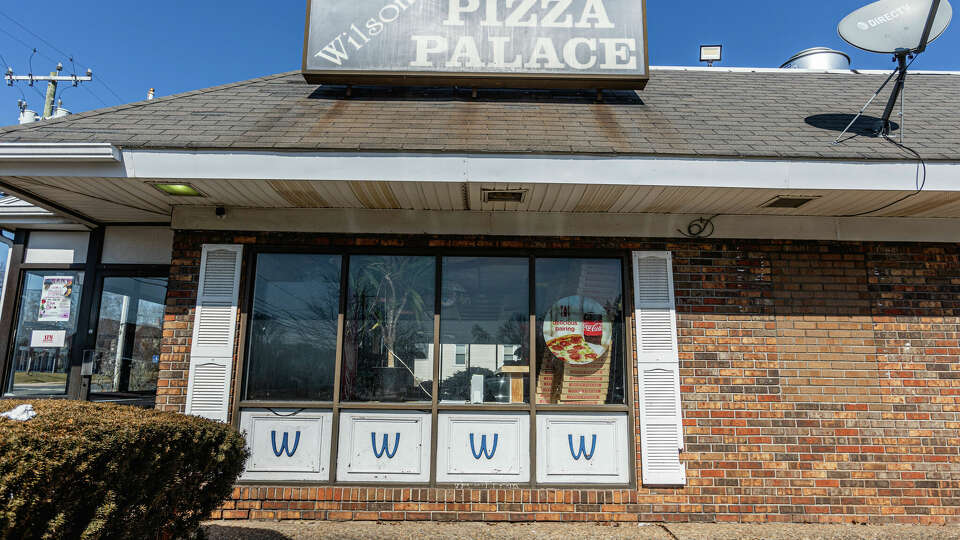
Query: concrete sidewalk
[296, 530]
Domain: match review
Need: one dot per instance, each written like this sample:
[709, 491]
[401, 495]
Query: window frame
[436, 406]
[94, 271]
[104, 272]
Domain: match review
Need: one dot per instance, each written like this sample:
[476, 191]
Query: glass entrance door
[126, 357]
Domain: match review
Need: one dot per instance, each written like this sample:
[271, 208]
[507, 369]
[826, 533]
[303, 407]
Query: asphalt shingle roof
[783, 114]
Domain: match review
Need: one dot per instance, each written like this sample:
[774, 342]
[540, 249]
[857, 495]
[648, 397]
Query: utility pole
[52, 80]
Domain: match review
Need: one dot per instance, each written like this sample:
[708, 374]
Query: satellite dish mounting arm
[901, 57]
[925, 37]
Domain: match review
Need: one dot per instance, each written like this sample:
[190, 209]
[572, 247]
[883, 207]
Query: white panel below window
[287, 444]
[384, 446]
[583, 448]
[483, 447]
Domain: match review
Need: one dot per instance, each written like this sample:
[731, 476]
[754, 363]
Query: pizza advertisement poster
[55, 299]
[577, 330]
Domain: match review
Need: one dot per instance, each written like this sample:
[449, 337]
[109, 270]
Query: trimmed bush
[88, 470]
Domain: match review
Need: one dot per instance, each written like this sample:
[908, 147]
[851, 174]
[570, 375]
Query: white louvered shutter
[661, 423]
[214, 330]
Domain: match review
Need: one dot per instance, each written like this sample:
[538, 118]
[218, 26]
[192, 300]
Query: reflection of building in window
[509, 355]
[423, 363]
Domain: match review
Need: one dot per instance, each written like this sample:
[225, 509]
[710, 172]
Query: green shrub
[87, 470]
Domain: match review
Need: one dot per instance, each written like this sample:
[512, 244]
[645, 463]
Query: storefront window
[580, 331]
[46, 327]
[460, 324]
[293, 329]
[484, 329]
[389, 329]
[129, 331]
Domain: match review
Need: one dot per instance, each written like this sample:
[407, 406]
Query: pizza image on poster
[577, 330]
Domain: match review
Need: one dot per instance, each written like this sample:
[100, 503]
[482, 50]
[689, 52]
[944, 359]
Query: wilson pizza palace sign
[500, 43]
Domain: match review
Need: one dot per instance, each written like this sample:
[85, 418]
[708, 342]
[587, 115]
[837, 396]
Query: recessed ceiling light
[789, 201]
[179, 190]
[504, 195]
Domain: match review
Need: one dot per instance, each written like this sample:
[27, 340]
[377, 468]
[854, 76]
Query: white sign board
[543, 43]
[582, 448]
[483, 447]
[54, 339]
[384, 446]
[287, 444]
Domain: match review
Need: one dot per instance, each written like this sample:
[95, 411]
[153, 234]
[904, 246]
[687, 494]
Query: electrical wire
[921, 178]
[102, 102]
[921, 175]
[32, 33]
[100, 80]
[25, 44]
[700, 228]
[60, 51]
[17, 86]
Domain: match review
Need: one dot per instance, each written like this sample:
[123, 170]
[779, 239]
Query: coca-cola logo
[593, 328]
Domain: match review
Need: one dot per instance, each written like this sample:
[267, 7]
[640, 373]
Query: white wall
[138, 245]
[56, 247]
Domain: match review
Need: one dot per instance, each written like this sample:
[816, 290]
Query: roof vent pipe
[819, 58]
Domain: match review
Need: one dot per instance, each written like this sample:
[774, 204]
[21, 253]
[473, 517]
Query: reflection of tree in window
[389, 320]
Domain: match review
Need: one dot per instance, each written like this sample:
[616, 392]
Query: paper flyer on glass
[55, 299]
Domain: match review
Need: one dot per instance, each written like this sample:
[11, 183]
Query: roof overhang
[61, 152]
[621, 169]
[605, 194]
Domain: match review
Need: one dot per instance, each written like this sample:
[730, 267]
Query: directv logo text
[885, 18]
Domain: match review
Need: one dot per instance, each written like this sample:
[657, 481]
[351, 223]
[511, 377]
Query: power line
[59, 50]
[102, 102]
[100, 80]
[32, 33]
[25, 44]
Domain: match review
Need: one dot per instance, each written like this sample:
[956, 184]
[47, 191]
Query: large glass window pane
[293, 329]
[580, 331]
[484, 330]
[388, 339]
[46, 327]
[129, 331]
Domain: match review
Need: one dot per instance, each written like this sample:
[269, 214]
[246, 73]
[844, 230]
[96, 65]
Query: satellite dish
[889, 26]
[901, 27]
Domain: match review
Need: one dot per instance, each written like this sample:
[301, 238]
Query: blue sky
[176, 46]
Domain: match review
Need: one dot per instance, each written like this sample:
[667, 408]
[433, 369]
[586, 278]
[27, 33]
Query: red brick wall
[820, 383]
